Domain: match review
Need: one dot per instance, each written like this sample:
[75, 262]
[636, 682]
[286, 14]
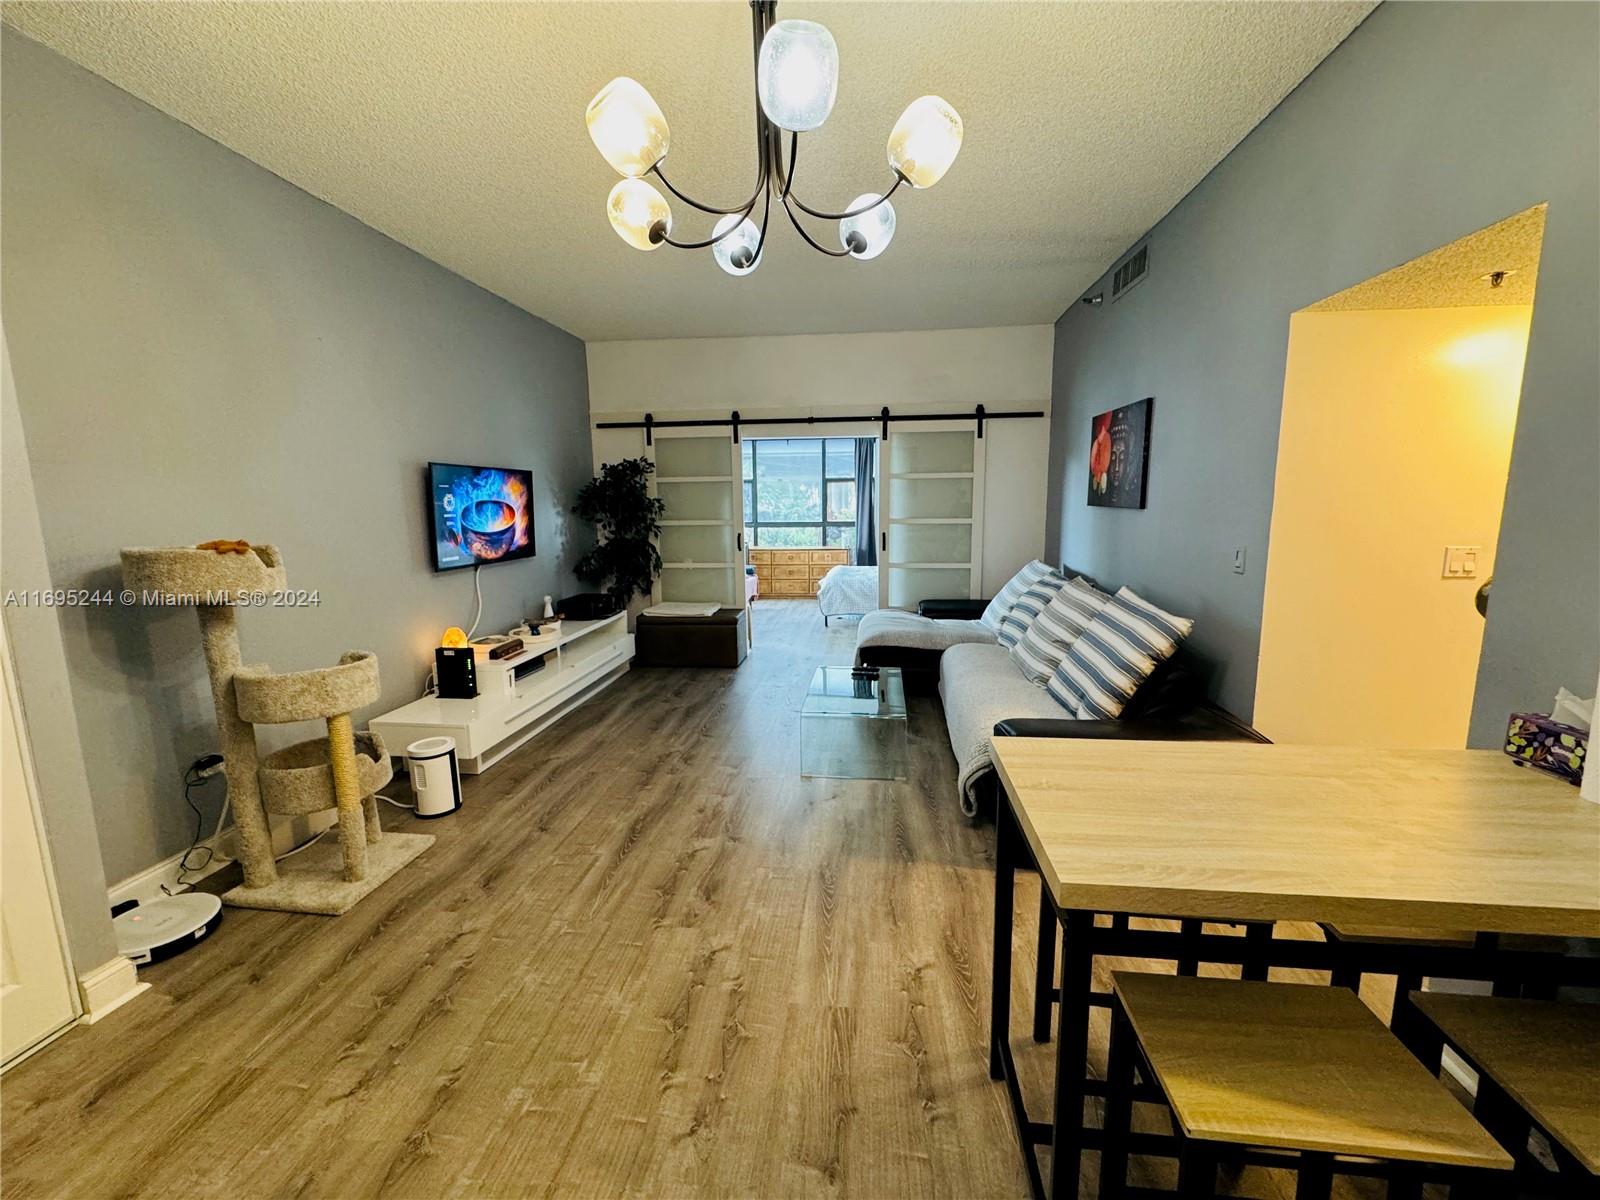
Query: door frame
[13, 698]
[886, 517]
[735, 481]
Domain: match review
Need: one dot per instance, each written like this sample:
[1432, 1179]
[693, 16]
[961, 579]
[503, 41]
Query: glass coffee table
[854, 726]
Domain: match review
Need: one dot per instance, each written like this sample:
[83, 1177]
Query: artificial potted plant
[627, 518]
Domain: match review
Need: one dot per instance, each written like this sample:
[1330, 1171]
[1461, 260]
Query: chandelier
[797, 78]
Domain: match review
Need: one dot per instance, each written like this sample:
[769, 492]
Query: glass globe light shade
[797, 75]
[634, 208]
[924, 141]
[627, 126]
[876, 227]
[736, 253]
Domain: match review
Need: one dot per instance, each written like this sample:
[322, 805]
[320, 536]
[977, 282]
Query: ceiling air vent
[1130, 271]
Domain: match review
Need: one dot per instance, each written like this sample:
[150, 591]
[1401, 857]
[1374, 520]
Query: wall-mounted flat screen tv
[479, 515]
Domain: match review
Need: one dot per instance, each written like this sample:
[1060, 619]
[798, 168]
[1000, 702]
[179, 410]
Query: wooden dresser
[783, 573]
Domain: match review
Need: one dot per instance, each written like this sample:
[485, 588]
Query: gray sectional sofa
[944, 647]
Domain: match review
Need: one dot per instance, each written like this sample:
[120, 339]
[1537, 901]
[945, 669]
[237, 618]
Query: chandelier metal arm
[761, 180]
[713, 240]
[794, 157]
[788, 189]
[854, 212]
[766, 215]
[810, 241]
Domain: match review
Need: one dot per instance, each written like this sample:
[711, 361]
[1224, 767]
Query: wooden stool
[1411, 955]
[1256, 955]
[1538, 1064]
[1285, 1075]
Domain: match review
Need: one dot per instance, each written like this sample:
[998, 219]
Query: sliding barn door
[930, 487]
[698, 478]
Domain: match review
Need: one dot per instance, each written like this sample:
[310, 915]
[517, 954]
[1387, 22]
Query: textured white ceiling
[457, 129]
[1453, 275]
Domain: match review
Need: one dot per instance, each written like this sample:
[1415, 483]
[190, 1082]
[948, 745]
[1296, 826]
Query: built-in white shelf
[584, 658]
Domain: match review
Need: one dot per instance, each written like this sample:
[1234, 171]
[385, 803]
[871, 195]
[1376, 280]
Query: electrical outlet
[1238, 560]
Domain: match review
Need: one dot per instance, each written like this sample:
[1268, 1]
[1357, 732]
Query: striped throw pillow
[1029, 605]
[1067, 615]
[1100, 671]
[997, 608]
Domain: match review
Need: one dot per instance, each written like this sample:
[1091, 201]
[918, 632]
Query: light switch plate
[1461, 562]
[1238, 560]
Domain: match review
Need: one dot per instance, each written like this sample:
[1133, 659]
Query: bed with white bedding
[848, 592]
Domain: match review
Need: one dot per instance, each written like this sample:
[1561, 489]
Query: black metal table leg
[1189, 964]
[1045, 972]
[1405, 1182]
[1404, 1021]
[1314, 1179]
[1346, 974]
[1072, 1051]
[1197, 1171]
[1258, 946]
[1004, 889]
[1118, 1121]
[1503, 1117]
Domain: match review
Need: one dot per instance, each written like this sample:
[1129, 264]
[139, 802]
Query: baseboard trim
[106, 988]
[162, 879]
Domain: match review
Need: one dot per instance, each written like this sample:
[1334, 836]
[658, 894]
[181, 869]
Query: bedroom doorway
[1399, 408]
[810, 506]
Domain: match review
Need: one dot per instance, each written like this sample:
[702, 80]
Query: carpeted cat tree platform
[341, 771]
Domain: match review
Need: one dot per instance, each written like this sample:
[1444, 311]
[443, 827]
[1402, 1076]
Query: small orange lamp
[453, 637]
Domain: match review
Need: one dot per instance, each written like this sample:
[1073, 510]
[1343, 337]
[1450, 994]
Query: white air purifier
[435, 776]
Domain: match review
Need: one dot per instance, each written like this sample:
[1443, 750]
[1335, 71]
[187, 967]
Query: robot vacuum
[148, 933]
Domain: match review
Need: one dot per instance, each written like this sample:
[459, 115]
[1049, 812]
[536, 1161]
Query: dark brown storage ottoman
[720, 640]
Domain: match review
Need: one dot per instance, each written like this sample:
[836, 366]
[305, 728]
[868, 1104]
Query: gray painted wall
[1431, 121]
[34, 637]
[203, 350]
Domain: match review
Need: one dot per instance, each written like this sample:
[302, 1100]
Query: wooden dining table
[1242, 832]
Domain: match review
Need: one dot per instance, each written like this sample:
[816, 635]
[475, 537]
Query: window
[799, 492]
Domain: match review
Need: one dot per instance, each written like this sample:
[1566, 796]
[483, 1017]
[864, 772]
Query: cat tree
[339, 771]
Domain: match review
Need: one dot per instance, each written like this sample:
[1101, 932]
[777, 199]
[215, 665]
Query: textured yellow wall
[1395, 440]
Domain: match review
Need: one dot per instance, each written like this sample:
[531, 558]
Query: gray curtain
[866, 545]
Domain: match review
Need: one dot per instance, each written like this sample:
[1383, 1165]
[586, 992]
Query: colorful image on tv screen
[480, 515]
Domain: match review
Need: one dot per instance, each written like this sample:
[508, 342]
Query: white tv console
[580, 661]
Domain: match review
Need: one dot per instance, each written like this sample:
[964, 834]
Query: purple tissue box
[1534, 740]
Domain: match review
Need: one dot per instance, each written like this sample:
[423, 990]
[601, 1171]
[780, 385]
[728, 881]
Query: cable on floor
[305, 845]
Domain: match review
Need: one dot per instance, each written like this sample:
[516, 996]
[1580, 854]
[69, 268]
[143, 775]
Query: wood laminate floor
[646, 959]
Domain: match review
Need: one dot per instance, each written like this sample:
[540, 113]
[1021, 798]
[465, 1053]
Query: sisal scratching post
[347, 796]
